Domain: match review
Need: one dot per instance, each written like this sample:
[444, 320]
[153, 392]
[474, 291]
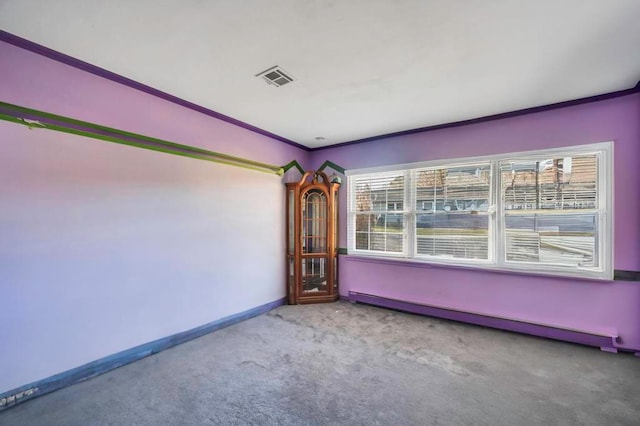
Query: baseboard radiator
[606, 341]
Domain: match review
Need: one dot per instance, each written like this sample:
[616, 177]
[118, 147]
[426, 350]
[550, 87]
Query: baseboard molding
[24, 393]
[606, 340]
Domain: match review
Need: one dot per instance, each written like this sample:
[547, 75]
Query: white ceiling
[362, 67]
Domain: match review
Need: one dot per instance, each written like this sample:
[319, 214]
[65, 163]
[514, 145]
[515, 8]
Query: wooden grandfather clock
[312, 225]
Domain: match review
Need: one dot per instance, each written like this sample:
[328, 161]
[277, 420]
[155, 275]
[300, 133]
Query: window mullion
[498, 221]
[409, 215]
[352, 235]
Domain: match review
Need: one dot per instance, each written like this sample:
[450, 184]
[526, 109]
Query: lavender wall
[594, 306]
[103, 246]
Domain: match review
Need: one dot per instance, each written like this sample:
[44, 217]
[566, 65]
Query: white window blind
[551, 210]
[377, 213]
[451, 216]
[544, 211]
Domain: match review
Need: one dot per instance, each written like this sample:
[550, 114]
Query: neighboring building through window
[544, 211]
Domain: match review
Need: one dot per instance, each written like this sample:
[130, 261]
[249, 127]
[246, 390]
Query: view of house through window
[540, 211]
[551, 210]
[379, 213]
[452, 211]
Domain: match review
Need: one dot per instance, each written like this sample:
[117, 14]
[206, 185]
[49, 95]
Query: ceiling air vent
[276, 76]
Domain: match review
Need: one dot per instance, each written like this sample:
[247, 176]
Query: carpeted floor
[355, 365]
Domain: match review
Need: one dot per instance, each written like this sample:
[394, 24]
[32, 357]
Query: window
[551, 210]
[377, 213]
[396, 205]
[455, 222]
[544, 211]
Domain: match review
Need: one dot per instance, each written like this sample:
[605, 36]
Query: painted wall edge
[526, 111]
[101, 72]
[93, 69]
[111, 362]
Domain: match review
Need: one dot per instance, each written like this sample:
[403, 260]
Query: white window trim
[497, 261]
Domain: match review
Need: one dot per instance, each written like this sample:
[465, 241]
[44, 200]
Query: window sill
[415, 263]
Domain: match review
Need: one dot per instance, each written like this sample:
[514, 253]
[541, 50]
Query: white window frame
[492, 193]
[497, 233]
[405, 237]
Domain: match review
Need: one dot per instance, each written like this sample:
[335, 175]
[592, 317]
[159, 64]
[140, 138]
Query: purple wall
[104, 247]
[586, 305]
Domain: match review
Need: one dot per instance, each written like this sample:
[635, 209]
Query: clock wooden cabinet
[312, 253]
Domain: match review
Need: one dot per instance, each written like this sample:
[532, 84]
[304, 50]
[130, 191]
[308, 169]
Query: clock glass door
[314, 241]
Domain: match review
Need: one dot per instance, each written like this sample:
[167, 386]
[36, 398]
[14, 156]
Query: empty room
[296, 212]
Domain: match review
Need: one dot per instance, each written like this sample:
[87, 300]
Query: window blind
[551, 210]
[451, 211]
[377, 213]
